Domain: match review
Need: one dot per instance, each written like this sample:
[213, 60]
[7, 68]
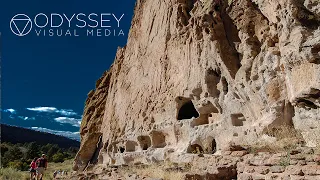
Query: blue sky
[45, 79]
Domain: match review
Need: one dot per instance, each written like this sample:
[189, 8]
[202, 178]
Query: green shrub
[285, 161]
[19, 156]
[59, 157]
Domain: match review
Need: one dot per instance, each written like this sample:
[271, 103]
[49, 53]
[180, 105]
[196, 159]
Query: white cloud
[12, 111]
[43, 109]
[63, 112]
[66, 112]
[26, 118]
[71, 135]
[67, 120]
[14, 115]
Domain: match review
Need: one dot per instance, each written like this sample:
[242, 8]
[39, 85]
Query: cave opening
[304, 103]
[307, 18]
[190, 5]
[144, 141]
[217, 7]
[188, 111]
[224, 85]
[237, 119]
[195, 149]
[213, 146]
[121, 149]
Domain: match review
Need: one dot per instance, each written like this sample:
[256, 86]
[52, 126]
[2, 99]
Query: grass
[13, 174]
[66, 165]
[287, 139]
[285, 161]
[166, 171]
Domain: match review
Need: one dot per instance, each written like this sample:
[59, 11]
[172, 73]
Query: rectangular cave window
[144, 141]
[158, 139]
[131, 146]
[203, 119]
[187, 111]
[237, 119]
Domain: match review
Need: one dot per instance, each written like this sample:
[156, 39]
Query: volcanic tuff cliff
[207, 75]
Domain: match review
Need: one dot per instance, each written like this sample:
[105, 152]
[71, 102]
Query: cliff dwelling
[187, 111]
[198, 84]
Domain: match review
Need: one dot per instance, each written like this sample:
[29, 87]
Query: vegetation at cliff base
[14, 174]
[19, 156]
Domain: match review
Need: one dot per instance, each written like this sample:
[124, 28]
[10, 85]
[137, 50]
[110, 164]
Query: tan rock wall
[229, 69]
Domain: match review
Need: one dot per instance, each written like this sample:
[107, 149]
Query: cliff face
[209, 75]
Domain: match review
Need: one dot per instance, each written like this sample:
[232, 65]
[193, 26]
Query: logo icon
[21, 25]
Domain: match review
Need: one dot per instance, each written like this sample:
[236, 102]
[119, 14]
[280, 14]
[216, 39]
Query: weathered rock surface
[231, 165]
[207, 76]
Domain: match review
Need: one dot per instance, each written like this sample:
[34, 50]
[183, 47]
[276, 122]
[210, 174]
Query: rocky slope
[205, 76]
[298, 164]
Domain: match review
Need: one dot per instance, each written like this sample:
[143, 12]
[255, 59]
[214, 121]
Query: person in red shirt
[33, 166]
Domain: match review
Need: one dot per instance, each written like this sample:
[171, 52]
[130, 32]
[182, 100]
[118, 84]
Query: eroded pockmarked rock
[205, 76]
